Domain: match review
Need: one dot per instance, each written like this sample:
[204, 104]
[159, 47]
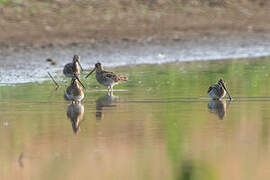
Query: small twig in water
[20, 160]
[56, 84]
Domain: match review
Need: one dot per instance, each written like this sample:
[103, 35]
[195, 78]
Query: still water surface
[160, 125]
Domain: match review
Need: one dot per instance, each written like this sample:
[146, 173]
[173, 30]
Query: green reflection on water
[161, 128]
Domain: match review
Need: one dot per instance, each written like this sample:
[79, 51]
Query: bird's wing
[210, 88]
[69, 68]
[110, 75]
[68, 90]
[217, 89]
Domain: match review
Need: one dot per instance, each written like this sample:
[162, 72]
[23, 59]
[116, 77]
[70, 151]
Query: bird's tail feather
[124, 78]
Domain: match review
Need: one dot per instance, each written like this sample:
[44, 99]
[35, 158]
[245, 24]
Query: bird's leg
[111, 88]
[111, 93]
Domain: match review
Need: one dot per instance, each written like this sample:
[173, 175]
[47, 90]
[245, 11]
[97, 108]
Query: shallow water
[160, 125]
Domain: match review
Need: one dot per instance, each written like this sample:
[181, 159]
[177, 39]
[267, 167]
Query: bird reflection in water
[103, 102]
[75, 114]
[218, 107]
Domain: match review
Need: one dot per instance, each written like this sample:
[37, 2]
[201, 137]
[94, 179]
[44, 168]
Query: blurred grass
[4, 2]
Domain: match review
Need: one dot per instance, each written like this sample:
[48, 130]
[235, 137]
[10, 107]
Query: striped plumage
[74, 92]
[218, 91]
[74, 67]
[107, 78]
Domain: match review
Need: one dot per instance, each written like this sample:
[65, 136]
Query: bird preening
[75, 91]
[218, 91]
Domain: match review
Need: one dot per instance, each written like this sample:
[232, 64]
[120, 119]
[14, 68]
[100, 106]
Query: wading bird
[74, 91]
[218, 91]
[73, 67]
[107, 78]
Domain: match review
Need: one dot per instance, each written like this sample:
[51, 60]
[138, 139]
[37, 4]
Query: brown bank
[49, 23]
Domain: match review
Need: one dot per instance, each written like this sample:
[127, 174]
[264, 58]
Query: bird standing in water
[74, 91]
[73, 67]
[107, 78]
[218, 91]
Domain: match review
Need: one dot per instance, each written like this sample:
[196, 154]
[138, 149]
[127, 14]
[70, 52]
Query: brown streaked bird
[218, 107]
[107, 78]
[218, 91]
[75, 114]
[74, 91]
[74, 67]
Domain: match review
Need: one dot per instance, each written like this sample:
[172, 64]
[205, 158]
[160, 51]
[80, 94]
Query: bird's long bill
[79, 81]
[80, 65]
[90, 73]
[227, 91]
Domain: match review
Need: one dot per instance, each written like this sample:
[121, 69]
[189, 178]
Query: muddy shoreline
[118, 34]
[38, 24]
[28, 64]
